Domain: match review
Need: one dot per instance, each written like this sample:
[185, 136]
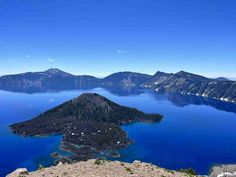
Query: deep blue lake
[195, 132]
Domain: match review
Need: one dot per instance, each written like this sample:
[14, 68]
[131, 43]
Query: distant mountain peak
[160, 73]
[126, 78]
[184, 73]
[191, 76]
[56, 71]
[222, 79]
[53, 70]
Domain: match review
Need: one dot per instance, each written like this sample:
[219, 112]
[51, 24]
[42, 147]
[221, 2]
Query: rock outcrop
[20, 172]
[101, 168]
[223, 171]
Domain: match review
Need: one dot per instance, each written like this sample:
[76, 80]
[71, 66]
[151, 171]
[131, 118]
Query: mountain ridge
[192, 84]
[53, 78]
[181, 82]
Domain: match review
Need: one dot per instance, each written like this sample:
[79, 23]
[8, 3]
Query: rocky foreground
[104, 168]
[100, 168]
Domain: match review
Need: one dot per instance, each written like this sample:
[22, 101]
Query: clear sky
[99, 37]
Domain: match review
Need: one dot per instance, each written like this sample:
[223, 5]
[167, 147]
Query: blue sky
[99, 37]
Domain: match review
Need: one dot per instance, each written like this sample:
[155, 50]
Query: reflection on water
[177, 99]
[125, 91]
[185, 100]
[192, 133]
[120, 91]
[31, 90]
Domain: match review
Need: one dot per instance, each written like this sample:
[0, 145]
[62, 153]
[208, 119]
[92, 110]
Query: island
[90, 124]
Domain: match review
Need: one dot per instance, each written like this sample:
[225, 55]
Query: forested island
[89, 124]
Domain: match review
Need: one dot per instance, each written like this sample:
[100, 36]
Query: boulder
[19, 172]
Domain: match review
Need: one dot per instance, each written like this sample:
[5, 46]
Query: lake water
[195, 132]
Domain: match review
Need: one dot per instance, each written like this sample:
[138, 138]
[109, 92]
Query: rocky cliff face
[191, 84]
[156, 79]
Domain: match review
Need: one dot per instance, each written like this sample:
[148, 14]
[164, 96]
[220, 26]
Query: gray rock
[223, 171]
[19, 172]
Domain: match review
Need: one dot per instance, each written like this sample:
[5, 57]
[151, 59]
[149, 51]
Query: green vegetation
[169, 171]
[99, 161]
[128, 170]
[40, 167]
[188, 171]
[122, 164]
[85, 108]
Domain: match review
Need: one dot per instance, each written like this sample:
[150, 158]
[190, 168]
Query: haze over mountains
[181, 82]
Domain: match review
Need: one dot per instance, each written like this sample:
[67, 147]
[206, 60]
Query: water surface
[195, 132]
